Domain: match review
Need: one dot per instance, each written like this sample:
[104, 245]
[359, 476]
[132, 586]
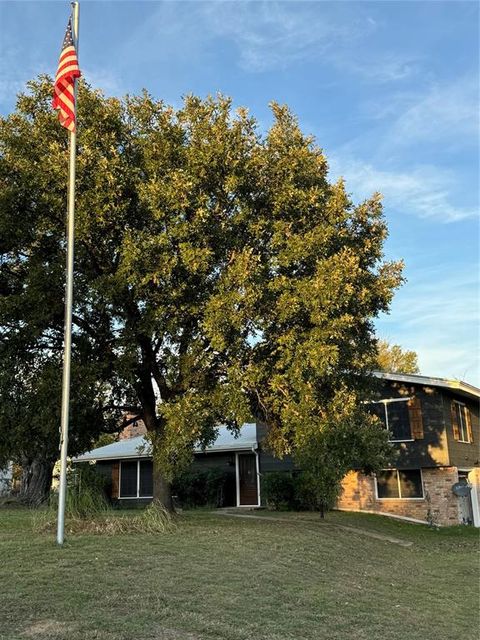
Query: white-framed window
[399, 484]
[136, 479]
[462, 418]
[395, 417]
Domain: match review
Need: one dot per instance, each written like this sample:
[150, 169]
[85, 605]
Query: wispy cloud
[443, 111]
[109, 82]
[425, 191]
[13, 78]
[274, 34]
[436, 315]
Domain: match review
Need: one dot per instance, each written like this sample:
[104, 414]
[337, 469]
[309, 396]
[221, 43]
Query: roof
[139, 447]
[463, 388]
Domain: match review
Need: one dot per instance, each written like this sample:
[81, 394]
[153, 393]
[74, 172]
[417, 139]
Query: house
[128, 465]
[434, 474]
[434, 427]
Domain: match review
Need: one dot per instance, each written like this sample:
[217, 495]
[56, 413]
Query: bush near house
[285, 491]
[201, 488]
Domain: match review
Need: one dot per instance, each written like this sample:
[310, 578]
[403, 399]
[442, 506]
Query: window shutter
[469, 425]
[456, 430]
[416, 419]
[115, 478]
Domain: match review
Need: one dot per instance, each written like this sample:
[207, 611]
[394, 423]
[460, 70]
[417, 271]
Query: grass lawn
[277, 577]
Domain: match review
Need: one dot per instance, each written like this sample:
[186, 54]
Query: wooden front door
[247, 479]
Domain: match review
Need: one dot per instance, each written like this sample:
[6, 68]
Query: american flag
[67, 71]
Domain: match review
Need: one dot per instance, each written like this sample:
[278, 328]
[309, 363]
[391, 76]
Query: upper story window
[462, 429]
[395, 416]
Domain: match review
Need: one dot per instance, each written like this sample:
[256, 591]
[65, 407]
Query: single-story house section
[128, 464]
[433, 476]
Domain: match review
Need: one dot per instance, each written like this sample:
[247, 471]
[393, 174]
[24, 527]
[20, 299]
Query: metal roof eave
[464, 388]
[136, 456]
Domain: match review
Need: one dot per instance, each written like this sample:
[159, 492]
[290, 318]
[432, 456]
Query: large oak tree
[218, 272]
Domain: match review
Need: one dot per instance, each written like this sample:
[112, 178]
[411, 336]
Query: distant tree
[394, 359]
[218, 272]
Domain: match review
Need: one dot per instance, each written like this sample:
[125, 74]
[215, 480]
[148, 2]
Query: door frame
[237, 478]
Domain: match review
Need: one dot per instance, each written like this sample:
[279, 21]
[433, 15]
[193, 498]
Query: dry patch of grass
[153, 519]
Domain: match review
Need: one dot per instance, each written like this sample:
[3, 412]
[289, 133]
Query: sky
[390, 90]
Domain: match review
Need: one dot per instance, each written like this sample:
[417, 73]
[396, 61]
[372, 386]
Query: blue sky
[389, 89]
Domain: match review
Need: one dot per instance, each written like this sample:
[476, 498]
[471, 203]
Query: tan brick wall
[358, 494]
[133, 430]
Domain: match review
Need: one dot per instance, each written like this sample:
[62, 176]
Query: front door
[247, 479]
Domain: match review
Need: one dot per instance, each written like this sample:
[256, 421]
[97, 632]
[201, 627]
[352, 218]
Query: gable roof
[140, 447]
[463, 388]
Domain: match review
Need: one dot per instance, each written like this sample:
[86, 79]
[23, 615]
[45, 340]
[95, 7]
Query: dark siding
[267, 462]
[225, 462]
[105, 470]
[462, 454]
[432, 449]
[132, 503]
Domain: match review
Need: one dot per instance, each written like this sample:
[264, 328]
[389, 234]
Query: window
[145, 488]
[136, 479]
[395, 417]
[462, 421]
[399, 484]
[128, 479]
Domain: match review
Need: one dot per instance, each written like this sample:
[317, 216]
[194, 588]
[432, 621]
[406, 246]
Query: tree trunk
[36, 481]
[162, 489]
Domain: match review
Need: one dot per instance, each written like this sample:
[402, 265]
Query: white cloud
[447, 111]
[425, 191]
[272, 35]
[437, 314]
[108, 81]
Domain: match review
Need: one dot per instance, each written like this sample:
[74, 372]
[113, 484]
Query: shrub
[86, 496]
[286, 491]
[201, 488]
[315, 494]
[278, 488]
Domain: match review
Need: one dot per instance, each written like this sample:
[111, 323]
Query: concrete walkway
[357, 530]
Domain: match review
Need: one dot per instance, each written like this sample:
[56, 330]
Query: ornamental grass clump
[153, 519]
[87, 510]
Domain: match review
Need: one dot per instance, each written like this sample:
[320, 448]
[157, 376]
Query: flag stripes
[64, 87]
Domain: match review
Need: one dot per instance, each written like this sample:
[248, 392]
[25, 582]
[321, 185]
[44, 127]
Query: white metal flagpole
[68, 309]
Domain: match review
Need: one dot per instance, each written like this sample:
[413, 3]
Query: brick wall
[133, 430]
[358, 494]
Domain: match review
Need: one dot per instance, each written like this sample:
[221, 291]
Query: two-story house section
[434, 472]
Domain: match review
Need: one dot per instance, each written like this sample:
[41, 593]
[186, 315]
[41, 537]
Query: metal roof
[139, 447]
[453, 385]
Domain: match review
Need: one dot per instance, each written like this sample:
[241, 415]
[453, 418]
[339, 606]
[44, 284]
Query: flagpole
[68, 309]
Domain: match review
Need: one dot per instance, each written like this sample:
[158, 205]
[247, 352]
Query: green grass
[216, 577]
